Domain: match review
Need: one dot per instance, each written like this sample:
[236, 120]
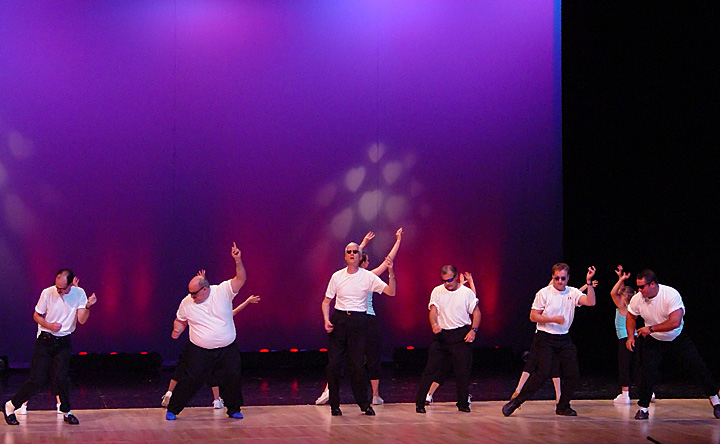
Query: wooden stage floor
[599, 421]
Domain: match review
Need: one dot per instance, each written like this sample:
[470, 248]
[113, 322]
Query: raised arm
[390, 288]
[585, 286]
[250, 300]
[467, 277]
[588, 298]
[366, 240]
[615, 293]
[84, 313]
[240, 275]
[393, 252]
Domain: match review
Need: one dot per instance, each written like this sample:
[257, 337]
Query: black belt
[353, 313]
[48, 335]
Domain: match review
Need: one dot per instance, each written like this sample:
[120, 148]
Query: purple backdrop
[139, 139]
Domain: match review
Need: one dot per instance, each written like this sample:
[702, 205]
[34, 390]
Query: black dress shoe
[567, 411]
[335, 411]
[419, 409]
[642, 415]
[716, 410]
[71, 419]
[369, 411]
[510, 407]
[9, 419]
[465, 409]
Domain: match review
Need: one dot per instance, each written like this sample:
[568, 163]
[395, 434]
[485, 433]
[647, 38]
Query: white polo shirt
[657, 310]
[454, 307]
[61, 309]
[555, 303]
[211, 321]
[352, 289]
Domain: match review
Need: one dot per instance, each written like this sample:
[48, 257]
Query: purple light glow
[138, 140]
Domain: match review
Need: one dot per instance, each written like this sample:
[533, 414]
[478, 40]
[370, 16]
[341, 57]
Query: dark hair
[69, 275]
[648, 275]
[560, 266]
[363, 258]
[449, 269]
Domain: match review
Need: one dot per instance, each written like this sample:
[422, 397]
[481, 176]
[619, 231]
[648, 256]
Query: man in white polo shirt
[57, 312]
[207, 310]
[554, 310]
[348, 328]
[662, 309]
[451, 305]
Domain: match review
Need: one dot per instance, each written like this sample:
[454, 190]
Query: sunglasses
[446, 281]
[352, 251]
[193, 293]
[640, 287]
[559, 278]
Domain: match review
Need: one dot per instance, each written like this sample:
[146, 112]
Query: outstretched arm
[391, 255]
[240, 275]
[250, 300]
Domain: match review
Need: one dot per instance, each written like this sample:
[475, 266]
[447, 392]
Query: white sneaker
[428, 399]
[377, 400]
[166, 399]
[652, 398]
[22, 410]
[469, 399]
[324, 397]
[622, 398]
[218, 403]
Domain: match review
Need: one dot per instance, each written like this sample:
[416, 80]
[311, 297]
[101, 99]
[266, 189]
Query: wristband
[651, 329]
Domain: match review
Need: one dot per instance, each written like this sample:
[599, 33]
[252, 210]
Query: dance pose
[348, 328]
[218, 402]
[208, 311]
[372, 351]
[662, 309]
[58, 311]
[554, 310]
[451, 306]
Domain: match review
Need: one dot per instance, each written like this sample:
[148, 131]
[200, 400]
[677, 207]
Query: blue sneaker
[170, 416]
[237, 415]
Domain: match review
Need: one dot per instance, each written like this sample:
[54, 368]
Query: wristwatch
[475, 329]
[651, 329]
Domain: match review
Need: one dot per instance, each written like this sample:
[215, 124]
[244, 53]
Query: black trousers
[629, 363]
[546, 348]
[348, 340]
[448, 346]
[372, 349]
[51, 356]
[196, 366]
[682, 348]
